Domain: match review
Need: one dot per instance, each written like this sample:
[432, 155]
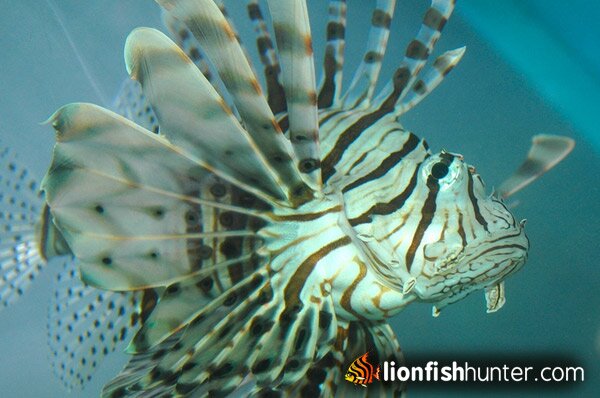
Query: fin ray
[268, 58]
[330, 87]
[432, 78]
[417, 53]
[294, 44]
[110, 177]
[207, 23]
[365, 78]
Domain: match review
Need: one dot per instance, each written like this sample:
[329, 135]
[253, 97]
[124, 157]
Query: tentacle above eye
[546, 152]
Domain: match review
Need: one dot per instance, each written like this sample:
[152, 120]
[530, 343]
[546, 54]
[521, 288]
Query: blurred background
[531, 67]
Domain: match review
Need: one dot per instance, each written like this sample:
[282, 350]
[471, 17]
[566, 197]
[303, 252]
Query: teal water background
[487, 109]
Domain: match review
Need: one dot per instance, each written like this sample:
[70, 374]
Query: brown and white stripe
[365, 78]
[253, 240]
[294, 45]
[330, 88]
[207, 23]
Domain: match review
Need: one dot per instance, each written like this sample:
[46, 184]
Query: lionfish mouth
[494, 249]
[482, 264]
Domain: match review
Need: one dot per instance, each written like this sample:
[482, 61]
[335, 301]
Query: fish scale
[236, 245]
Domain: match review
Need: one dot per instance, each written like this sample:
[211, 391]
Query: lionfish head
[468, 239]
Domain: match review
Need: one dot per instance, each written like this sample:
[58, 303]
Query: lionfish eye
[439, 170]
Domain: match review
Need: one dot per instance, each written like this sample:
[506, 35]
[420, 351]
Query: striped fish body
[330, 225]
[330, 263]
[302, 232]
[362, 372]
[415, 219]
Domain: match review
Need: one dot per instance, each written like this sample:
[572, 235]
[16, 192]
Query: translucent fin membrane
[20, 259]
[86, 324]
[136, 368]
[209, 26]
[132, 104]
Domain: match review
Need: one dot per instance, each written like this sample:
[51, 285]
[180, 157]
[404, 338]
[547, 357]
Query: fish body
[361, 372]
[301, 220]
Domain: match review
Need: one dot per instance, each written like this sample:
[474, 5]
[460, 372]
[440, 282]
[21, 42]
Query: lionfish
[244, 236]
[361, 371]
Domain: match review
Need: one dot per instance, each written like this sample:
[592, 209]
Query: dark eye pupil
[439, 170]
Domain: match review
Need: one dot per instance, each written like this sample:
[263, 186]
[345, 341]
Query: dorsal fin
[330, 88]
[211, 29]
[268, 58]
[432, 78]
[416, 55]
[294, 44]
[365, 78]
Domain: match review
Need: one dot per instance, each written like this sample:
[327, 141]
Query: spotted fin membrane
[20, 259]
[78, 313]
[87, 324]
[84, 324]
